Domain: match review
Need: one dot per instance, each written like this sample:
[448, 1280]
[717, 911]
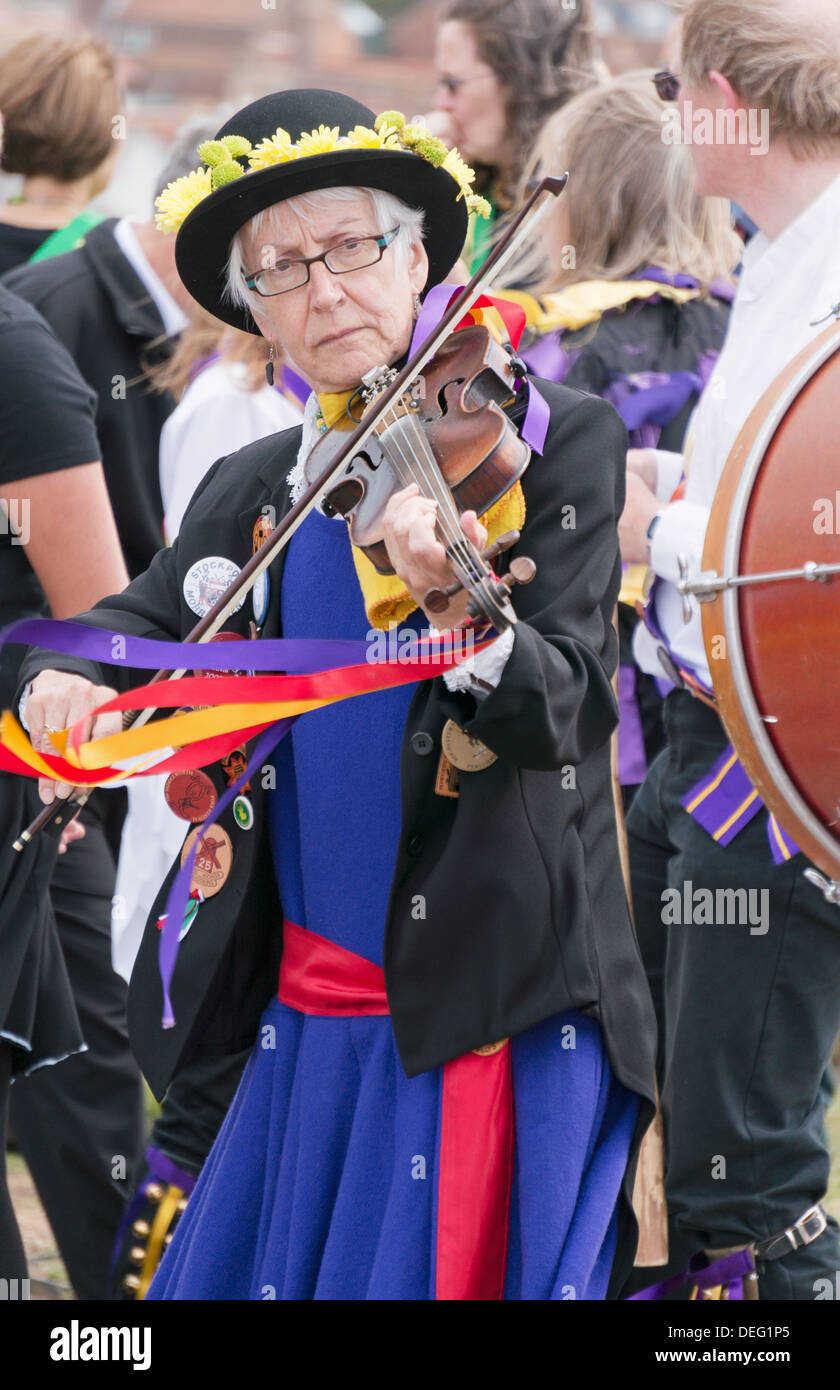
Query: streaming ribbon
[315, 673]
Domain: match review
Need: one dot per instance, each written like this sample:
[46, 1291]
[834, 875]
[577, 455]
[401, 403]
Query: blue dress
[322, 1182]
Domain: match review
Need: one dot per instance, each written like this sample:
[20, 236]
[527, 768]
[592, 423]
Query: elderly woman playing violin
[416, 912]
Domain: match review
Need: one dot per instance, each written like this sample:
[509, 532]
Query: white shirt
[216, 415]
[787, 285]
[174, 318]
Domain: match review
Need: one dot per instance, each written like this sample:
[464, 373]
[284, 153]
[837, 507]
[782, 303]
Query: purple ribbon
[652, 397]
[293, 384]
[292, 655]
[534, 427]
[179, 892]
[730, 1271]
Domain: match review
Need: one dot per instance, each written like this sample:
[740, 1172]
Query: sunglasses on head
[667, 85]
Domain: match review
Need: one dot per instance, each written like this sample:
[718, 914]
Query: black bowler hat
[204, 238]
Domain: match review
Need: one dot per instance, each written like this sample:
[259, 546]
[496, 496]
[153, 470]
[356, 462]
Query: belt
[475, 1161]
[810, 1225]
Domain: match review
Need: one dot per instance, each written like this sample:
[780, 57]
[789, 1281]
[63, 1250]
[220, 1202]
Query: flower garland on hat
[221, 158]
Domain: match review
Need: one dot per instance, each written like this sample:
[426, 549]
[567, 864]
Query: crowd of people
[423, 1021]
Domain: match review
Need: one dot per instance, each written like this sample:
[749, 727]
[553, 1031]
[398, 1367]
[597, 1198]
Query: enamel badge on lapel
[191, 795]
[194, 901]
[213, 859]
[206, 581]
[465, 753]
[243, 813]
[263, 527]
[234, 764]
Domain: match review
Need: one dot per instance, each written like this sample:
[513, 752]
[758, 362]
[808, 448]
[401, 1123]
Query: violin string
[448, 516]
[466, 552]
[425, 466]
[417, 469]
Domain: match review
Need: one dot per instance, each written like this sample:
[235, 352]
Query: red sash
[475, 1168]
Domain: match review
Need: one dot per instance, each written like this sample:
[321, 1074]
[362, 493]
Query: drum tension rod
[706, 586]
[830, 888]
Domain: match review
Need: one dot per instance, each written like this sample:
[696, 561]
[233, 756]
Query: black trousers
[748, 1016]
[80, 1124]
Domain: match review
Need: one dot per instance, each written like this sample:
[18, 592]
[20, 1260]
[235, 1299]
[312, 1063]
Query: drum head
[777, 672]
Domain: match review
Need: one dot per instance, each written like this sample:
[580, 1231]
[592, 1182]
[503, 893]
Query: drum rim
[730, 565]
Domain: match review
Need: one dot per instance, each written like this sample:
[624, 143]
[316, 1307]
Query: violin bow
[522, 226]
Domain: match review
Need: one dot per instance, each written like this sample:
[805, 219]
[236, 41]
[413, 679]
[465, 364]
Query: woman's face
[470, 93]
[336, 327]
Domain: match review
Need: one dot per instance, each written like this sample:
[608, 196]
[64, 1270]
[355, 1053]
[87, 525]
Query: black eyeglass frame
[667, 85]
[382, 241]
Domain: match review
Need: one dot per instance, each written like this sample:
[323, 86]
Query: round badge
[465, 753]
[243, 812]
[263, 527]
[259, 598]
[207, 580]
[222, 637]
[490, 1049]
[213, 860]
[191, 795]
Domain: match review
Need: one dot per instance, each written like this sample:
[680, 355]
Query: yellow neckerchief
[387, 600]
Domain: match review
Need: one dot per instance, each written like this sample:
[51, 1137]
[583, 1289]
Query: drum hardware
[829, 887]
[781, 653]
[708, 585]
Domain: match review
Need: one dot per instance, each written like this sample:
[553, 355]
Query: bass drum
[777, 671]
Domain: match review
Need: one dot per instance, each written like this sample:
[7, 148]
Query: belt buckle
[798, 1235]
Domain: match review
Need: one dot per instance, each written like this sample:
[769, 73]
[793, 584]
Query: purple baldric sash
[727, 1274]
[724, 801]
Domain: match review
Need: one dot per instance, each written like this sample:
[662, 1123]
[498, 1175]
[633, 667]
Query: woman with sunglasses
[503, 67]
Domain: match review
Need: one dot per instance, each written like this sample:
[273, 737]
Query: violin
[458, 404]
[447, 433]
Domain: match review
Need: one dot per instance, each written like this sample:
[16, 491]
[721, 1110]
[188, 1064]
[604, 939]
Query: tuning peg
[522, 571]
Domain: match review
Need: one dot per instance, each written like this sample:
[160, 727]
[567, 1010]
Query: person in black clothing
[115, 303]
[113, 326]
[58, 543]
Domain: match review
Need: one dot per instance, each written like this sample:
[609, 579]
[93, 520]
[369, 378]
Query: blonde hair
[204, 337]
[59, 98]
[776, 61]
[630, 201]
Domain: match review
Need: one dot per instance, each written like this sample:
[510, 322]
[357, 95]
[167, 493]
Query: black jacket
[102, 312]
[525, 908]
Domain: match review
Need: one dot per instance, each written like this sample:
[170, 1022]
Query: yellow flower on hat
[459, 169]
[180, 197]
[361, 137]
[321, 141]
[478, 205]
[275, 149]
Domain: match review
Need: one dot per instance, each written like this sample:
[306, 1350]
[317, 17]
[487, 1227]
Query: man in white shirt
[748, 1012]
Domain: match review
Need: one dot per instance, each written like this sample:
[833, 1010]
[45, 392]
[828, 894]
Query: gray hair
[388, 211]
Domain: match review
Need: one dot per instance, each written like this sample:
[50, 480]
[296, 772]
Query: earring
[269, 367]
[417, 306]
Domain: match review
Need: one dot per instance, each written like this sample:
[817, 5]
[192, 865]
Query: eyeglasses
[353, 254]
[667, 85]
[452, 84]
